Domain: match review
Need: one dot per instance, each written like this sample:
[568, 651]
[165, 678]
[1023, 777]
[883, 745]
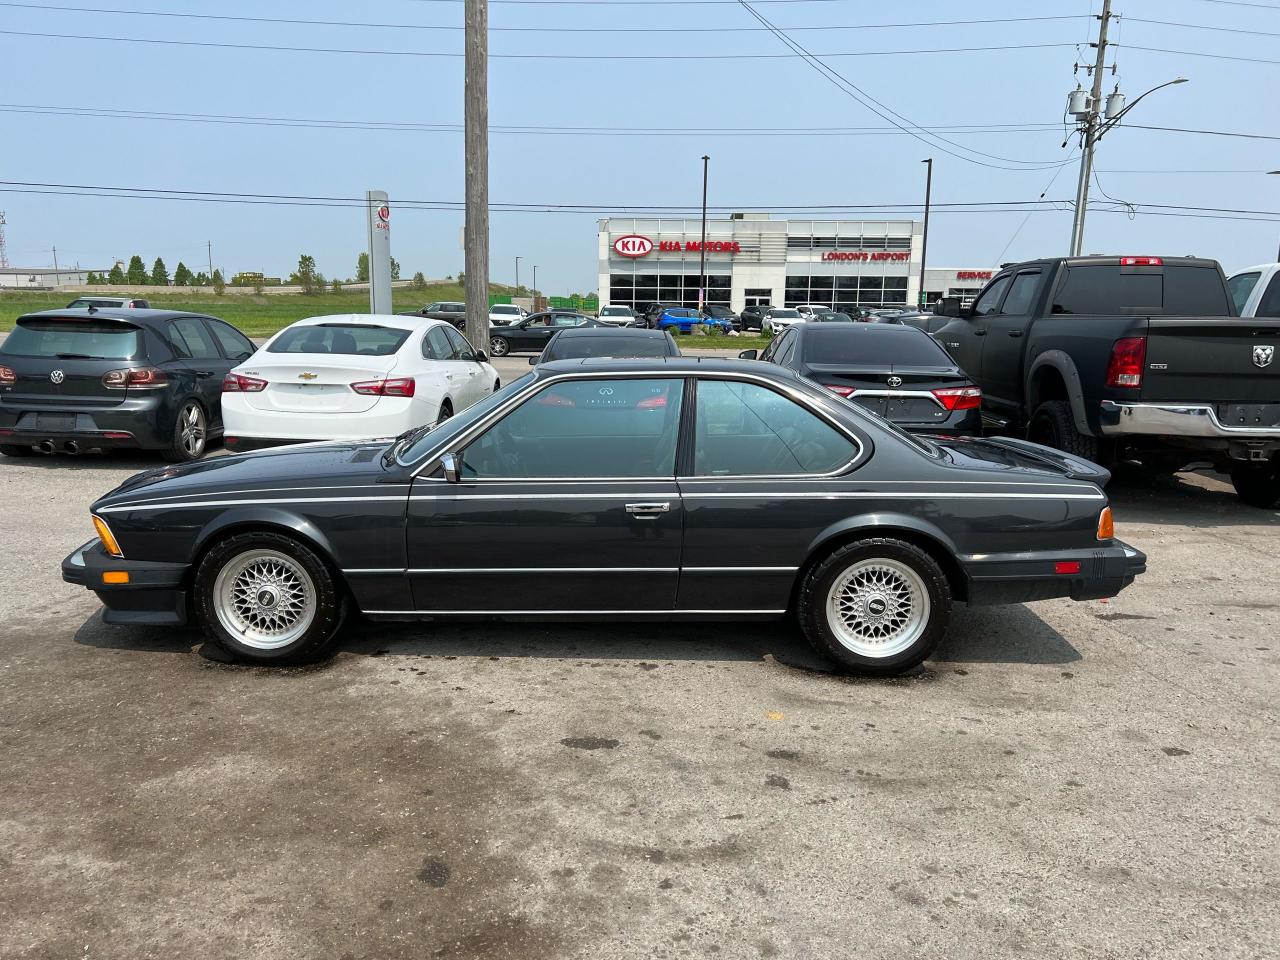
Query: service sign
[632, 246]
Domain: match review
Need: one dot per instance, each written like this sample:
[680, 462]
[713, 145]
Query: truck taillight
[138, 378]
[1141, 262]
[1128, 356]
[239, 383]
[959, 398]
[7, 376]
[394, 387]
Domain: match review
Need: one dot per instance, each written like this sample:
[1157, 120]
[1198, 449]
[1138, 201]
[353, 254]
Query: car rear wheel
[190, 434]
[499, 347]
[1257, 484]
[446, 411]
[1053, 425]
[17, 450]
[266, 598]
[876, 606]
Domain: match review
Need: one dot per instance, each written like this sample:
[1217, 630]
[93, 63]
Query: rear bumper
[1175, 420]
[136, 421]
[155, 594]
[1019, 578]
[249, 444]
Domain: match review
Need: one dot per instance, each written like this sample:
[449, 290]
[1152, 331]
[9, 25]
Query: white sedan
[777, 319]
[352, 377]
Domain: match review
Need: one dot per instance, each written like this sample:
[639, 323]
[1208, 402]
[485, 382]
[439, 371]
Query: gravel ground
[1061, 780]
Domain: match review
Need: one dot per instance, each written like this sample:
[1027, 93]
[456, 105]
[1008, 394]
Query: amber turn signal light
[1106, 526]
[108, 541]
[115, 576]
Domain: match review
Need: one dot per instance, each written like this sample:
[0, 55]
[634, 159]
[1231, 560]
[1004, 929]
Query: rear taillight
[1141, 262]
[652, 403]
[959, 398]
[139, 378]
[1124, 369]
[395, 387]
[843, 391]
[7, 376]
[239, 383]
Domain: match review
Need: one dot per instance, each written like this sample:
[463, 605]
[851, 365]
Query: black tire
[1053, 425]
[446, 411]
[499, 346]
[1257, 484]
[327, 597]
[913, 643]
[497, 385]
[17, 450]
[183, 446]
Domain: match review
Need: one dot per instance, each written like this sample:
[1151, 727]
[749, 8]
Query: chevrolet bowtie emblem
[307, 376]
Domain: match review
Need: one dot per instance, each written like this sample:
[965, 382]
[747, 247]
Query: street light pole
[924, 238]
[517, 276]
[534, 291]
[1275, 173]
[702, 247]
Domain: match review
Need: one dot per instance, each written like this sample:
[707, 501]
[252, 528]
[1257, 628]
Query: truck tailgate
[1226, 360]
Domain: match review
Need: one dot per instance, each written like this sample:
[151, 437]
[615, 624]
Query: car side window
[1021, 292]
[989, 302]
[1241, 285]
[462, 349]
[588, 429]
[235, 345]
[788, 348]
[771, 350]
[542, 320]
[436, 346]
[1269, 305]
[191, 341]
[746, 430]
[565, 320]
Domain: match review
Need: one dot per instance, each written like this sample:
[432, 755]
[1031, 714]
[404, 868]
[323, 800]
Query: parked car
[811, 310]
[352, 376]
[897, 372]
[116, 303]
[501, 314]
[579, 343]
[649, 314]
[1138, 357]
[777, 319]
[752, 317]
[617, 315]
[1255, 291]
[718, 311]
[448, 310]
[684, 319]
[533, 332]
[101, 378]
[830, 316]
[928, 322]
[784, 498]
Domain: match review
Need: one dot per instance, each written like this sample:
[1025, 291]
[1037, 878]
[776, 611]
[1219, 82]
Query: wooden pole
[476, 122]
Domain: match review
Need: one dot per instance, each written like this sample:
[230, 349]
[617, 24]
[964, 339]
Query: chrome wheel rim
[264, 598]
[878, 608]
[498, 347]
[191, 429]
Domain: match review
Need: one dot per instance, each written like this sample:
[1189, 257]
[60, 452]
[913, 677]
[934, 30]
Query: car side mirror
[449, 464]
[480, 357]
[533, 361]
[749, 355]
[948, 307]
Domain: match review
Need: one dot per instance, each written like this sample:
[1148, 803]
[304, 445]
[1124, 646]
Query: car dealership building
[753, 259]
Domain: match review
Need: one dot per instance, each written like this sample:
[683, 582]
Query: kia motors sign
[632, 246]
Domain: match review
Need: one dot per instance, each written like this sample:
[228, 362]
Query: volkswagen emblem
[606, 391]
[1263, 355]
[894, 381]
[58, 376]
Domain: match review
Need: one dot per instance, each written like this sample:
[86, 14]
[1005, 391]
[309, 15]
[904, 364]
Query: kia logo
[632, 246]
[384, 213]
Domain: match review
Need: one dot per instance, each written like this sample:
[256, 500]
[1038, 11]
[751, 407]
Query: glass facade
[841, 292]
[637, 289]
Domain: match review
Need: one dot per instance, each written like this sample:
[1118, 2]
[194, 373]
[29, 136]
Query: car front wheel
[876, 606]
[499, 347]
[1257, 484]
[266, 598]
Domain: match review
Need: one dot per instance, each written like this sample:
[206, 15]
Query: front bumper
[1023, 577]
[1175, 420]
[154, 596]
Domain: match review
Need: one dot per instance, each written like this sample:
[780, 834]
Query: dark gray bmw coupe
[648, 489]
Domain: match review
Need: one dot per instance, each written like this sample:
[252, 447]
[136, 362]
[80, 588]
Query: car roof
[138, 315]
[397, 321]
[664, 366]
[634, 333]
[859, 330]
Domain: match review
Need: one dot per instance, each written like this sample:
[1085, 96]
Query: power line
[1207, 133]
[1200, 53]
[1193, 26]
[549, 29]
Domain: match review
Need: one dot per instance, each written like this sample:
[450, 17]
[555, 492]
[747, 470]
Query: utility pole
[476, 156]
[702, 247]
[924, 239]
[57, 277]
[534, 291]
[4, 256]
[1090, 134]
[517, 276]
[209, 246]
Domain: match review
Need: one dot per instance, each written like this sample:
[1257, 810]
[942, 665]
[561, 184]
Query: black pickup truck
[1126, 357]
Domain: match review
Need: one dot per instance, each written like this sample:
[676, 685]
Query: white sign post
[379, 217]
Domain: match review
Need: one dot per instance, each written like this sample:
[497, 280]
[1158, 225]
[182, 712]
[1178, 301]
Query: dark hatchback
[651, 489]
[898, 372]
[580, 343]
[73, 380]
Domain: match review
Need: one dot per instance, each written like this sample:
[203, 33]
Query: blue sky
[1026, 84]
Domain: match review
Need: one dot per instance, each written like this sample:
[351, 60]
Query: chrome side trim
[236, 493]
[372, 570]
[543, 570]
[922, 394]
[739, 569]
[116, 508]
[558, 613]
[611, 495]
[1181, 420]
[874, 495]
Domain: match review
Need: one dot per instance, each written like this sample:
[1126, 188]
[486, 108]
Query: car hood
[1019, 457]
[328, 464]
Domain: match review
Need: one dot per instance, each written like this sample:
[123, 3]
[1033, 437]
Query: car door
[533, 334]
[201, 357]
[567, 504]
[965, 337]
[469, 372]
[753, 482]
[235, 348]
[439, 367]
[1001, 371]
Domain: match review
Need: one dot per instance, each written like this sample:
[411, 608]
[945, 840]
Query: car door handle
[204, 374]
[979, 333]
[647, 511]
[1015, 333]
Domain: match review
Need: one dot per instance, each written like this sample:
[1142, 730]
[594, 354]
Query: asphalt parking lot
[1061, 780]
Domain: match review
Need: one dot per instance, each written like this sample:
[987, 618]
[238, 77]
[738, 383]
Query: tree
[335, 287]
[395, 269]
[116, 276]
[362, 268]
[137, 272]
[419, 281]
[219, 284]
[182, 276]
[159, 274]
[201, 279]
[461, 278]
[307, 276]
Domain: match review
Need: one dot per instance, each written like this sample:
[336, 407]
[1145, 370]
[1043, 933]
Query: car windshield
[568, 348]
[73, 339]
[354, 338]
[426, 440]
[866, 344]
[615, 312]
[784, 314]
[503, 308]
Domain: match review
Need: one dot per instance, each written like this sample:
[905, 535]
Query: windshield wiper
[77, 356]
[404, 440]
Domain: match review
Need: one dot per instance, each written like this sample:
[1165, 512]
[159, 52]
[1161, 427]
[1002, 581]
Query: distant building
[44, 278]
